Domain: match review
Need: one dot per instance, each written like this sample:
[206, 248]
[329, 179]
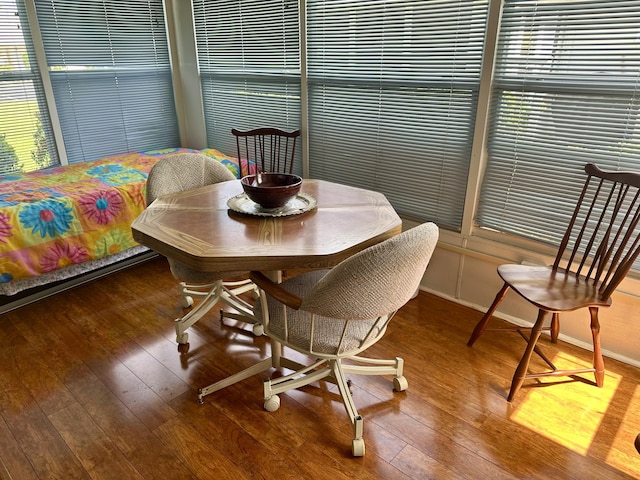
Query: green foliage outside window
[8, 156]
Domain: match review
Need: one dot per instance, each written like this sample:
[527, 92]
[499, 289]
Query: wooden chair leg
[598, 362]
[555, 327]
[482, 324]
[523, 366]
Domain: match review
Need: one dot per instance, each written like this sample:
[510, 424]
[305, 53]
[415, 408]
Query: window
[566, 93]
[26, 138]
[109, 66]
[249, 61]
[393, 91]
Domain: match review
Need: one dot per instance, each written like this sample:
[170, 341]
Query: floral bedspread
[59, 217]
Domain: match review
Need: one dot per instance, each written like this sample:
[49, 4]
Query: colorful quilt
[53, 219]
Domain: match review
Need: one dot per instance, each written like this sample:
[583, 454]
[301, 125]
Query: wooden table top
[198, 229]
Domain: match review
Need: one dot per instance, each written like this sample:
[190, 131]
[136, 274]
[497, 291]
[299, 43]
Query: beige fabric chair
[334, 315]
[186, 171]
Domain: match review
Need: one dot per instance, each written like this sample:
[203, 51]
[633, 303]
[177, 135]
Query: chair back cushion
[184, 171]
[376, 281]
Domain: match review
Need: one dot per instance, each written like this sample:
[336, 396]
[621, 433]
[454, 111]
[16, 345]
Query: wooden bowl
[271, 190]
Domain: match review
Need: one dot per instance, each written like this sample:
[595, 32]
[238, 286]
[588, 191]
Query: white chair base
[275, 361]
[213, 293]
[335, 371]
[332, 370]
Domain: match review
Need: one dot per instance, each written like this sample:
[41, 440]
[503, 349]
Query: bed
[62, 222]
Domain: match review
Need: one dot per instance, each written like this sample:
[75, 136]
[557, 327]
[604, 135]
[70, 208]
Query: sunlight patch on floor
[543, 408]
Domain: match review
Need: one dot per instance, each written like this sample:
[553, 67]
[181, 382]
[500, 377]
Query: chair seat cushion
[326, 331]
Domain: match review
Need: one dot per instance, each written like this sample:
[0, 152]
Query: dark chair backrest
[271, 149]
[602, 240]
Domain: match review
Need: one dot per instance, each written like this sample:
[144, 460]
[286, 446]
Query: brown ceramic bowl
[271, 190]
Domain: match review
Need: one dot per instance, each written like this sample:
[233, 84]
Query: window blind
[565, 94]
[393, 89]
[26, 138]
[249, 62]
[111, 76]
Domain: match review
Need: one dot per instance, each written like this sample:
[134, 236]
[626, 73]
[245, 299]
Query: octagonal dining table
[198, 228]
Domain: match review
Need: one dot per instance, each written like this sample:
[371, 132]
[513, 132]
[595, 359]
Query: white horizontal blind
[26, 138]
[393, 95]
[566, 94]
[249, 61]
[110, 70]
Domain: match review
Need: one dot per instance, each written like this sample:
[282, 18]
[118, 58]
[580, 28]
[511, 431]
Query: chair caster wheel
[400, 384]
[272, 403]
[187, 301]
[182, 338]
[258, 330]
[357, 449]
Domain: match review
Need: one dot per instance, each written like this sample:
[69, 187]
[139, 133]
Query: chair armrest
[275, 290]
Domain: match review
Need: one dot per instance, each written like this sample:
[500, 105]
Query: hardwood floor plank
[138, 444]
[235, 442]
[203, 458]
[97, 453]
[38, 439]
[416, 464]
[13, 461]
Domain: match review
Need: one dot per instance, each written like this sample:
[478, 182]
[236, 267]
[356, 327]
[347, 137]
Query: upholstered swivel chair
[332, 316]
[599, 247]
[270, 149]
[186, 171]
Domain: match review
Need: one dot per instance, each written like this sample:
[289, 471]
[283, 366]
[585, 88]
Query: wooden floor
[93, 386]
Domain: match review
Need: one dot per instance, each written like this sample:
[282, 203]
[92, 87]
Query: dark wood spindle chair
[597, 251]
[273, 150]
